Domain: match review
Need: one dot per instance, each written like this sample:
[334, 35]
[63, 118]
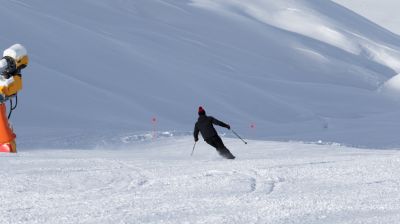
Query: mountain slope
[383, 13]
[299, 70]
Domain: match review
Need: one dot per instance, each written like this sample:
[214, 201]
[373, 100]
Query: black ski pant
[217, 143]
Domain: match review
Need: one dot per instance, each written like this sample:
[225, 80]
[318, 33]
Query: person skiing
[204, 125]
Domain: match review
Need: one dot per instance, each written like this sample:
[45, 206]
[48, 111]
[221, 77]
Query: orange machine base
[7, 136]
[8, 148]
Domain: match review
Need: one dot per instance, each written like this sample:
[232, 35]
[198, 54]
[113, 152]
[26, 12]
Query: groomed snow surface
[157, 181]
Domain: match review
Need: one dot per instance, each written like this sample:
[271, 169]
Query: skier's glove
[228, 127]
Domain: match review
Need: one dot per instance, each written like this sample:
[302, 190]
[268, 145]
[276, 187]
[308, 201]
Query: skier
[204, 125]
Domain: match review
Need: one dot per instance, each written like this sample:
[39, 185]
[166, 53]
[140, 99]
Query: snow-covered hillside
[297, 69]
[384, 12]
[159, 182]
[124, 79]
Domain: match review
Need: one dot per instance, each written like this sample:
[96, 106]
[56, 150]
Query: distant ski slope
[298, 70]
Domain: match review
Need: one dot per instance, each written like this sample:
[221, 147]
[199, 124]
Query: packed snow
[157, 181]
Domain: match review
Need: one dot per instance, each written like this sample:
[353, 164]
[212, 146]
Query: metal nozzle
[3, 65]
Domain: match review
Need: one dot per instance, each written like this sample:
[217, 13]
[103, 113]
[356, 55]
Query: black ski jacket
[204, 125]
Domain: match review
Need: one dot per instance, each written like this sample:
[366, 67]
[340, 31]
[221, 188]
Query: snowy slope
[159, 182]
[299, 70]
[384, 12]
[100, 70]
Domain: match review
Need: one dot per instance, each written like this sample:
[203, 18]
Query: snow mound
[392, 86]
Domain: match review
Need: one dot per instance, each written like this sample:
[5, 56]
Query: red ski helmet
[202, 111]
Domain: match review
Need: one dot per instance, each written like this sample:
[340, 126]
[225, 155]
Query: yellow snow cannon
[14, 60]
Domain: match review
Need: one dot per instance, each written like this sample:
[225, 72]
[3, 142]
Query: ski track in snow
[159, 182]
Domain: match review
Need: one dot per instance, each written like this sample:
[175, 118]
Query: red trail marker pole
[154, 124]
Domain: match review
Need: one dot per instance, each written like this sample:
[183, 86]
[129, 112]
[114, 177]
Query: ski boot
[224, 152]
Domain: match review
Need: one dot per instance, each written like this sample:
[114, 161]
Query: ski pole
[239, 137]
[193, 148]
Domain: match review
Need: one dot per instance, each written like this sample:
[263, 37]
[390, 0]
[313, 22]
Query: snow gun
[14, 60]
